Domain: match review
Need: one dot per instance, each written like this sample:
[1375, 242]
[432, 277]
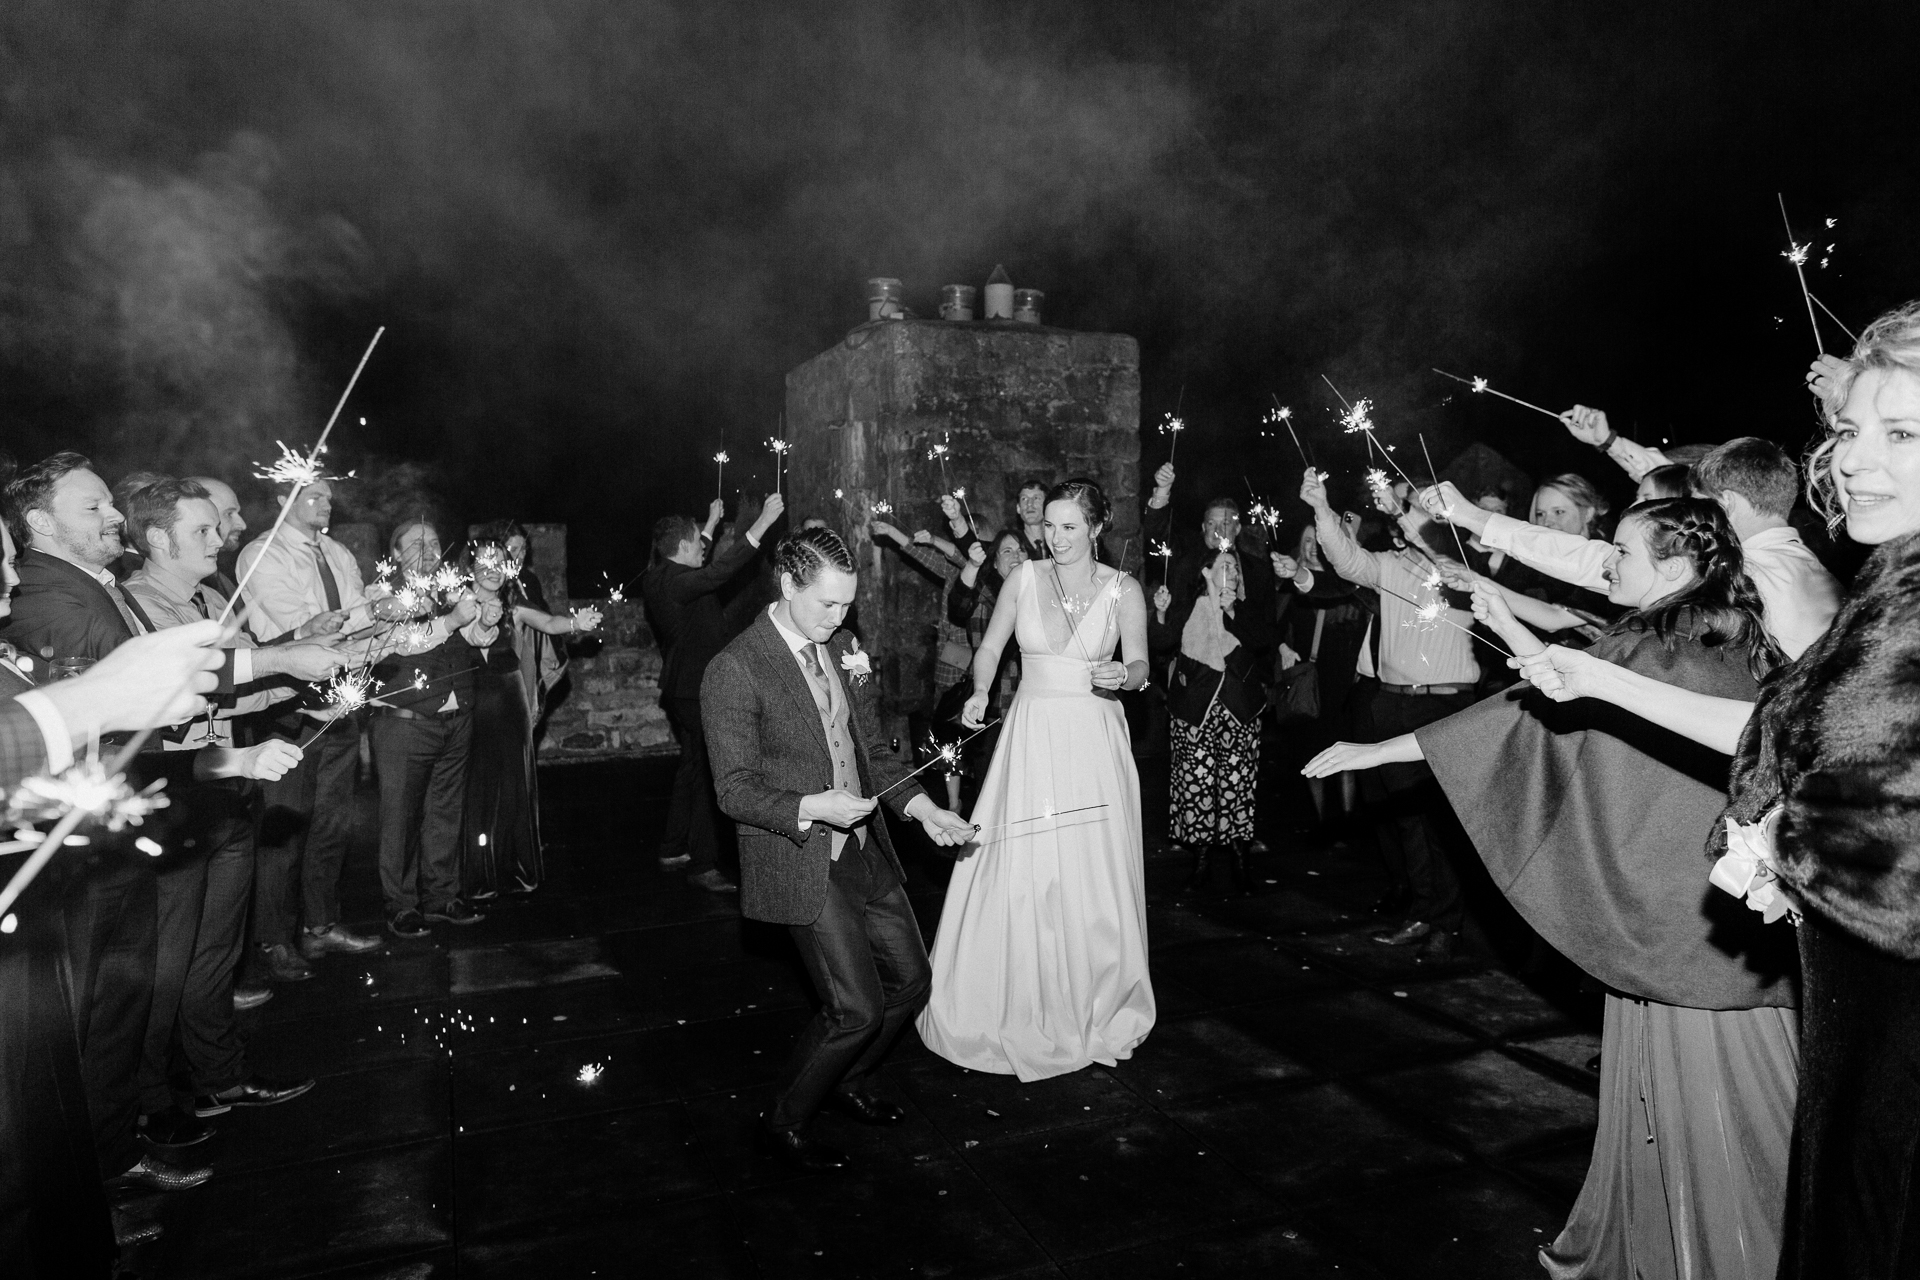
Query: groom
[788, 711]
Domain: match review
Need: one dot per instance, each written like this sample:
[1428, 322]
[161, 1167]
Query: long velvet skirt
[1689, 1172]
[502, 840]
[1858, 1183]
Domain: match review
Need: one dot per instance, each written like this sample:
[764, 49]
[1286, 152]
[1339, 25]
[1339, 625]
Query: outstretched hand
[1560, 673]
[1345, 757]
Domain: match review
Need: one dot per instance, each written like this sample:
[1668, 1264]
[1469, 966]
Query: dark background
[599, 234]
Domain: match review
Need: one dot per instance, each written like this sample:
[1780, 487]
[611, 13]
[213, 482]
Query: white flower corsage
[855, 664]
[1750, 870]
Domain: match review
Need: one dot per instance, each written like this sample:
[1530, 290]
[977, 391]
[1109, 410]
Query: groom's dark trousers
[772, 744]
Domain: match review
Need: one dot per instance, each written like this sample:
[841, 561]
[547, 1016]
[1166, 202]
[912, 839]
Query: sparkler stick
[1480, 384]
[1462, 546]
[779, 448]
[720, 461]
[73, 817]
[1358, 418]
[1038, 817]
[1284, 415]
[1836, 319]
[1437, 612]
[949, 755]
[1796, 253]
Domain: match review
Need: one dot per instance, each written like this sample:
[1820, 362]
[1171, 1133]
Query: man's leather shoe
[173, 1128]
[408, 924]
[713, 882]
[160, 1176]
[865, 1107]
[254, 1091]
[1406, 935]
[281, 963]
[801, 1152]
[315, 943]
[455, 912]
[248, 995]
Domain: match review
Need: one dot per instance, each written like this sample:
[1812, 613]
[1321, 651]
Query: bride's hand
[974, 714]
[1109, 675]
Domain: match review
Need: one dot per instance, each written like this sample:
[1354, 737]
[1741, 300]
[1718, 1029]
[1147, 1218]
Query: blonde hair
[1891, 342]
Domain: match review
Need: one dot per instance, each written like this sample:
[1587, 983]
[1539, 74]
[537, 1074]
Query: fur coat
[1836, 739]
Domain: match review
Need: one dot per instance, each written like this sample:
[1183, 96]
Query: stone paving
[568, 1090]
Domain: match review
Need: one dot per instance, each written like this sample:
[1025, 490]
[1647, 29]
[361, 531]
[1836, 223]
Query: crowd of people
[1669, 737]
[263, 674]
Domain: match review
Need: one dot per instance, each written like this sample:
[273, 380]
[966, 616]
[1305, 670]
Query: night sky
[599, 234]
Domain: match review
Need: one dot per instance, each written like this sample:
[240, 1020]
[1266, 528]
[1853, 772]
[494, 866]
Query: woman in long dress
[1040, 962]
[1591, 822]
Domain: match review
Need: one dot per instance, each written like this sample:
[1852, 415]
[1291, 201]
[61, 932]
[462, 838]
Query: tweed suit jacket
[768, 751]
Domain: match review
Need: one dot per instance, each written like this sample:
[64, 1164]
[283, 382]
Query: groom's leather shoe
[865, 1107]
[800, 1151]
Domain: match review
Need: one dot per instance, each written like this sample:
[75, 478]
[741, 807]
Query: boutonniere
[855, 664]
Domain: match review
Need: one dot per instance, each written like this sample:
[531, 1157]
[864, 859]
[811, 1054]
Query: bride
[1040, 962]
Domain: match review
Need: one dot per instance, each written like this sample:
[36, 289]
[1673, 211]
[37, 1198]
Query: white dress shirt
[286, 590]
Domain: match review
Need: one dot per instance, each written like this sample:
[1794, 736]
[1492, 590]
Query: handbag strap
[1319, 625]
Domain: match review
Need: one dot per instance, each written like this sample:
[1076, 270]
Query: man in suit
[799, 763]
[68, 608]
[683, 608]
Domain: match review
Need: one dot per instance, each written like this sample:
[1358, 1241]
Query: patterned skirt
[1215, 766]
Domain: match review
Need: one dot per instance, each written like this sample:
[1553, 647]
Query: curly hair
[803, 556]
[1891, 342]
[1721, 606]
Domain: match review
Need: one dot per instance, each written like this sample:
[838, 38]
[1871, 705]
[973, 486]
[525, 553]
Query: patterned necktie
[327, 583]
[816, 677]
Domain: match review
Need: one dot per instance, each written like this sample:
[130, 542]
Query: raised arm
[1566, 556]
[1337, 547]
[1566, 674]
[1589, 426]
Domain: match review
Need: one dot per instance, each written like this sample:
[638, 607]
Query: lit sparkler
[1281, 415]
[385, 568]
[88, 788]
[779, 448]
[294, 469]
[1796, 253]
[1358, 416]
[491, 557]
[1172, 425]
[1480, 385]
[1160, 548]
[1433, 613]
[882, 507]
[349, 691]
[1457, 542]
[589, 1073]
[950, 752]
[1047, 811]
[720, 461]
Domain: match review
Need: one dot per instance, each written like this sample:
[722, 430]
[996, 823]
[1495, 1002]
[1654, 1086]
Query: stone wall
[1010, 401]
[609, 702]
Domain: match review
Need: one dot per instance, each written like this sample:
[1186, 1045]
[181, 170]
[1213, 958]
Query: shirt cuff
[53, 728]
[753, 539]
[243, 666]
[1500, 530]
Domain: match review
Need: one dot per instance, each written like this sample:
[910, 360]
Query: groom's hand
[835, 808]
[943, 826]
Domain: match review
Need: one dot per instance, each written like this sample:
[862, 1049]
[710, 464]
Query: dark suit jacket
[62, 611]
[683, 608]
[768, 751]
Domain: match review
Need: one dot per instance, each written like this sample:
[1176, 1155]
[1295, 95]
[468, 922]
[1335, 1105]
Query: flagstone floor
[568, 1088]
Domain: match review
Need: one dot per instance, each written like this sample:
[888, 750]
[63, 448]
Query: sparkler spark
[961, 493]
[589, 1072]
[85, 787]
[1161, 549]
[1377, 480]
[385, 568]
[883, 508]
[491, 557]
[936, 452]
[349, 691]
[1796, 253]
[446, 580]
[1358, 417]
[1479, 384]
[839, 493]
[1171, 425]
[722, 458]
[295, 469]
[778, 445]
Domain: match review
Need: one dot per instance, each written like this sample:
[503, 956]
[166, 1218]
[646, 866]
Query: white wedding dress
[1040, 962]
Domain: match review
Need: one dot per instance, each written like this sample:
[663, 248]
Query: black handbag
[1296, 695]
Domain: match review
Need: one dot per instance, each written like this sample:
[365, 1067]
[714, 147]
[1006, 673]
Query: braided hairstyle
[1721, 606]
[806, 554]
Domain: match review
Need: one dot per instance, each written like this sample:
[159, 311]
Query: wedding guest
[1425, 673]
[1823, 797]
[68, 607]
[1324, 626]
[301, 582]
[970, 605]
[1570, 504]
[232, 525]
[682, 594]
[1029, 511]
[1699, 1052]
[422, 737]
[517, 663]
[1670, 481]
[1215, 694]
[1755, 483]
[933, 556]
[205, 878]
